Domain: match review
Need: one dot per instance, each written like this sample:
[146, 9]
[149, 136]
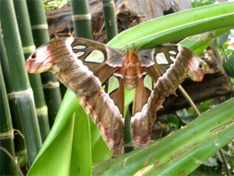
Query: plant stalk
[110, 18]
[225, 162]
[6, 133]
[81, 18]
[40, 34]
[190, 101]
[35, 79]
[12, 159]
[18, 141]
[22, 90]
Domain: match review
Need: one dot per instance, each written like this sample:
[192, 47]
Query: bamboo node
[22, 93]
[29, 49]
[81, 17]
[50, 85]
[42, 110]
[110, 4]
[40, 26]
[11, 95]
[7, 135]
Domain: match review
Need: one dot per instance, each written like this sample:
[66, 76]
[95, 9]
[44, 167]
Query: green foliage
[199, 3]
[229, 65]
[228, 53]
[189, 146]
[182, 151]
[54, 4]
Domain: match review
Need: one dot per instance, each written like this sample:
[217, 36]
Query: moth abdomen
[130, 78]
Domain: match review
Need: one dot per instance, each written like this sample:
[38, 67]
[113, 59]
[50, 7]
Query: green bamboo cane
[22, 90]
[82, 25]
[18, 140]
[110, 18]
[81, 18]
[35, 79]
[6, 132]
[41, 36]
[112, 30]
[127, 133]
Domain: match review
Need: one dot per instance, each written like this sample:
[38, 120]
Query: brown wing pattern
[84, 66]
[66, 58]
[186, 65]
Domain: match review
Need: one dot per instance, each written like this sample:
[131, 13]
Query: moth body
[132, 70]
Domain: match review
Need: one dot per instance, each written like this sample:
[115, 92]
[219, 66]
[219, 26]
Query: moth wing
[167, 71]
[102, 60]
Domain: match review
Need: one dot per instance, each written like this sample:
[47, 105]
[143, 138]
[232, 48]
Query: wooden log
[129, 13]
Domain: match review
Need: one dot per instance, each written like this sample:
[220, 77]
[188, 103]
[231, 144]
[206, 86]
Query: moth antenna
[126, 47]
[138, 48]
[133, 46]
[175, 94]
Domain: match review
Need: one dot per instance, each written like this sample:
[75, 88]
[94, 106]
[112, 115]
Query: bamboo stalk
[22, 90]
[40, 34]
[110, 18]
[35, 79]
[81, 18]
[6, 132]
[18, 141]
[127, 133]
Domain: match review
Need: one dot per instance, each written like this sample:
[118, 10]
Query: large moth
[85, 65]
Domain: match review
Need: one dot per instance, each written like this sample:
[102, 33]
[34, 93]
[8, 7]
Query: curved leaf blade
[176, 26]
[213, 124]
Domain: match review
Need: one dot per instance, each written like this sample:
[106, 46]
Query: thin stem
[12, 159]
[225, 162]
[232, 157]
[220, 62]
[190, 101]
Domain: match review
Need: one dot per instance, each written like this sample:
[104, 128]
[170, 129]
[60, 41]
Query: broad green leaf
[176, 26]
[189, 146]
[55, 160]
[200, 42]
[100, 151]
[81, 155]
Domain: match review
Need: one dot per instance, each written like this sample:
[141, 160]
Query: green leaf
[229, 65]
[189, 146]
[71, 146]
[100, 151]
[200, 42]
[56, 158]
[176, 26]
[81, 155]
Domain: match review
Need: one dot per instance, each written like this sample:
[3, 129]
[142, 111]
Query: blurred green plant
[199, 3]
[54, 4]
